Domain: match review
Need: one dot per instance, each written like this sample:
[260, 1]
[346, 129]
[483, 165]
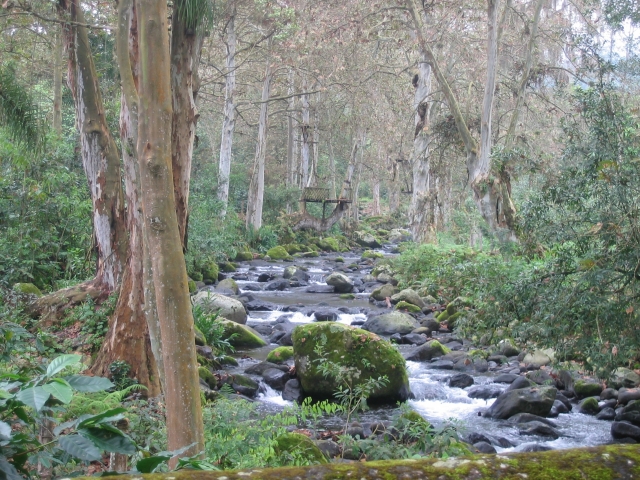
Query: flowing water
[434, 399]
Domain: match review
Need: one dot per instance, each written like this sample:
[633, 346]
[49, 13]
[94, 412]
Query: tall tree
[184, 412]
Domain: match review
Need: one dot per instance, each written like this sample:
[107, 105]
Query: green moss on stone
[329, 244]
[347, 296]
[350, 348]
[228, 360]
[584, 389]
[208, 377]
[227, 267]
[280, 354]
[197, 276]
[277, 253]
[200, 338]
[210, 272]
[241, 335]
[408, 307]
[27, 288]
[299, 447]
[372, 254]
[192, 286]
[244, 257]
[339, 260]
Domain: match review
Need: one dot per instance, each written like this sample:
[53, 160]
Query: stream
[433, 398]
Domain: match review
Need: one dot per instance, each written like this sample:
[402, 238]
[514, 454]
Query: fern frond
[19, 114]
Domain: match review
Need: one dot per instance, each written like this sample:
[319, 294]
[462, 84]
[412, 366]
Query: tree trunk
[256, 187]
[128, 337]
[182, 394]
[422, 227]
[100, 157]
[292, 137]
[186, 47]
[57, 83]
[313, 174]
[305, 133]
[376, 196]
[229, 121]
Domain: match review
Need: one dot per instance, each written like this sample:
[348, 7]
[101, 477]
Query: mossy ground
[280, 354]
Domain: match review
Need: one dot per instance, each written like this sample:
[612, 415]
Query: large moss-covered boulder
[587, 388]
[277, 253]
[390, 323]
[300, 447]
[280, 354]
[351, 348]
[27, 289]
[398, 235]
[535, 400]
[328, 244]
[367, 240]
[228, 284]
[407, 307]
[241, 336]
[244, 256]
[384, 291]
[340, 283]
[226, 307]
[210, 272]
[408, 295]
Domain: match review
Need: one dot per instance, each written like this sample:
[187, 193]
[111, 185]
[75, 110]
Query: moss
[192, 286]
[208, 377]
[347, 296]
[596, 463]
[350, 348]
[280, 354]
[442, 316]
[339, 260]
[372, 254]
[293, 248]
[311, 254]
[329, 244]
[451, 320]
[200, 338]
[478, 354]
[585, 389]
[227, 360]
[244, 257]
[241, 335]
[414, 417]
[299, 447]
[210, 272]
[230, 284]
[408, 307]
[227, 267]
[589, 406]
[27, 288]
[277, 253]
[197, 276]
[435, 344]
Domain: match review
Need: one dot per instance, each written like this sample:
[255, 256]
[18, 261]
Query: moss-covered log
[605, 462]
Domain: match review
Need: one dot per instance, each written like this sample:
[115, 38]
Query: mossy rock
[210, 271]
[27, 289]
[208, 377]
[278, 253]
[227, 267]
[299, 447]
[585, 388]
[280, 354]
[442, 316]
[201, 340]
[383, 292]
[192, 286]
[244, 257]
[350, 348]
[372, 254]
[229, 284]
[451, 320]
[408, 307]
[311, 254]
[329, 244]
[378, 269]
[241, 336]
[589, 406]
[197, 276]
[413, 417]
[339, 260]
[347, 296]
[228, 360]
[293, 248]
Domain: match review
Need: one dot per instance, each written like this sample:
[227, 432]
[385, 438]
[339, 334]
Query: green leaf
[109, 440]
[80, 447]
[83, 383]
[5, 431]
[8, 471]
[34, 397]
[148, 465]
[59, 389]
[61, 362]
[108, 416]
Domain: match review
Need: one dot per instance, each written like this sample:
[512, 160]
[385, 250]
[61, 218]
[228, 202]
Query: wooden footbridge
[321, 195]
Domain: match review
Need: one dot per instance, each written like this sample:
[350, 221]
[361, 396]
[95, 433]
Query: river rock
[325, 315]
[390, 323]
[277, 253]
[241, 336]
[623, 377]
[609, 394]
[541, 377]
[461, 380]
[539, 358]
[535, 447]
[350, 348]
[431, 324]
[606, 413]
[521, 382]
[275, 378]
[367, 240]
[408, 295]
[589, 406]
[292, 391]
[625, 395]
[557, 409]
[428, 351]
[398, 235]
[506, 378]
[228, 284]
[484, 392]
[280, 285]
[383, 292]
[536, 400]
[508, 348]
[620, 430]
[441, 365]
[413, 339]
[538, 428]
[529, 417]
[587, 388]
[244, 385]
[484, 447]
[319, 289]
[226, 307]
[340, 283]
[260, 368]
